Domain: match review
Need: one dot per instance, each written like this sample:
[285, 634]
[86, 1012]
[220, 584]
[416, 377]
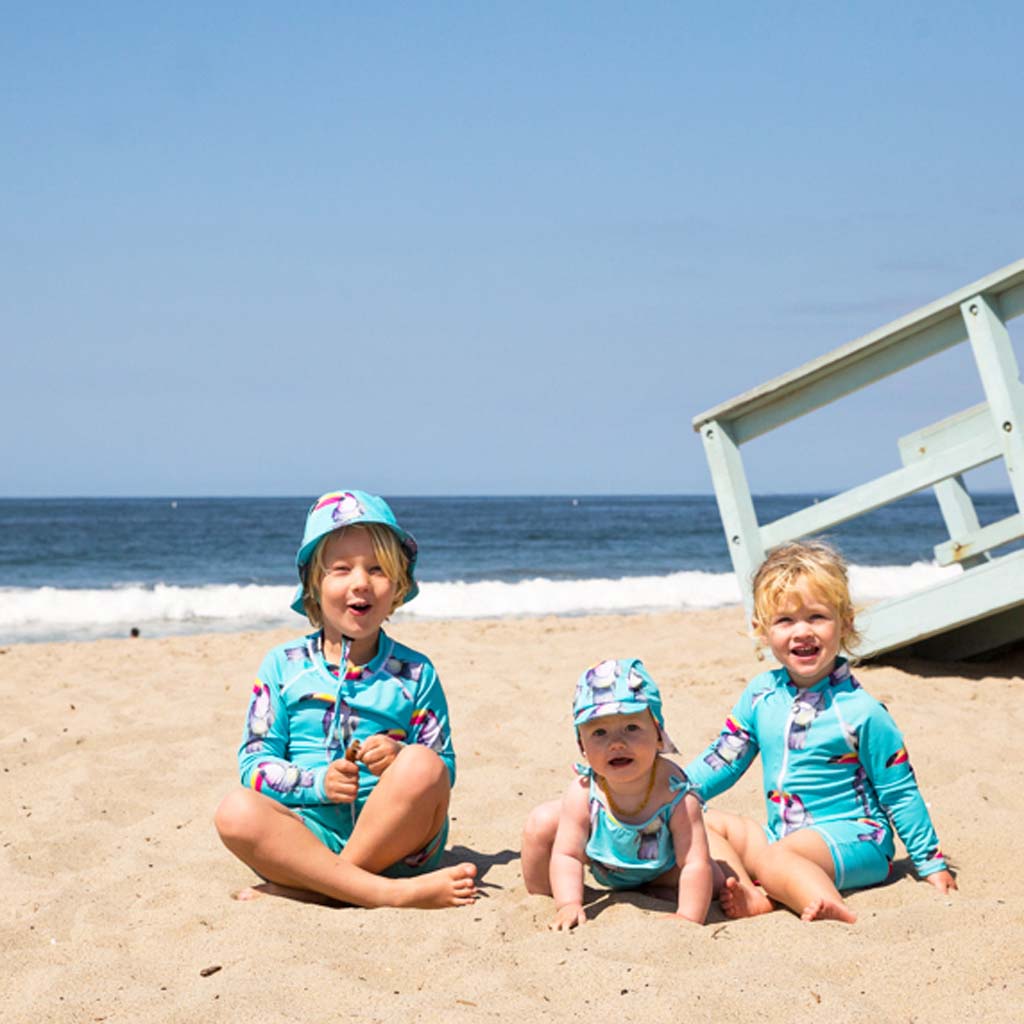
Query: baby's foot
[740, 899]
[828, 910]
[448, 887]
[246, 894]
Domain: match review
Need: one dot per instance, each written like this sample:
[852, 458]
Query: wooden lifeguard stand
[980, 608]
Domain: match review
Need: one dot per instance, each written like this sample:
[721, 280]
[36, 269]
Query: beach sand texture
[116, 891]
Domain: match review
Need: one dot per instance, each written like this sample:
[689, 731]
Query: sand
[116, 891]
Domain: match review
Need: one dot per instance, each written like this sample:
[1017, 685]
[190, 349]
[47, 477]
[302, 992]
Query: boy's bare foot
[828, 910]
[739, 899]
[255, 892]
[448, 887]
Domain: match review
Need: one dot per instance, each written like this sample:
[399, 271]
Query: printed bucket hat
[619, 687]
[338, 509]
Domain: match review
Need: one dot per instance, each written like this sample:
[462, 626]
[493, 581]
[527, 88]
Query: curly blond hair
[823, 568]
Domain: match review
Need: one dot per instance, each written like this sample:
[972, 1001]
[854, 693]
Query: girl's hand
[568, 917]
[341, 783]
[378, 753]
[942, 880]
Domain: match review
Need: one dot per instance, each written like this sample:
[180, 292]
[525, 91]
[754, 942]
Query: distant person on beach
[837, 776]
[629, 816]
[346, 759]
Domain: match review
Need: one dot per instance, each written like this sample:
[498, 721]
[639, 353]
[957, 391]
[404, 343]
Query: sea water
[80, 568]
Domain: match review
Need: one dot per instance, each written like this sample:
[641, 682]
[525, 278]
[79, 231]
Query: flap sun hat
[619, 687]
[338, 509]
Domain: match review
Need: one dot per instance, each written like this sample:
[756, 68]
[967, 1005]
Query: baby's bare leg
[274, 842]
[538, 839]
[798, 872]
[735, 843]
[404, 812]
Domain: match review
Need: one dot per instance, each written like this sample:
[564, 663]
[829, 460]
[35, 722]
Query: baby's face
[621, 747]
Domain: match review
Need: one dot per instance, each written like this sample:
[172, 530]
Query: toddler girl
[346, 760]
[629, 816]
[837, 777]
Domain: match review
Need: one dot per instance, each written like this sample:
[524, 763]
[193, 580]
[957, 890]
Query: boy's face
[355, 594]
[804, 634]
[621, 747]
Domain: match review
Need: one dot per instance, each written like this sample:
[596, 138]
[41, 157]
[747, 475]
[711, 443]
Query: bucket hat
[338, 509]
[619, 687]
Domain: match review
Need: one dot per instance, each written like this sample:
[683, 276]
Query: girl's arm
[568, 856]
[691, 845]
[884, 756]
[731, 753]
[430, 726]
[263, 762]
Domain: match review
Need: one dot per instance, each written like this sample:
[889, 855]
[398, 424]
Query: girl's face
[804, 634]
[622, 748]
[355, 594]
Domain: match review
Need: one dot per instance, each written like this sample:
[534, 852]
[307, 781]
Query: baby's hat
[338, 509]
[619, 687]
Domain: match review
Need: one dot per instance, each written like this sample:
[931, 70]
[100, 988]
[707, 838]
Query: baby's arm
[568, 856]
[691, 846]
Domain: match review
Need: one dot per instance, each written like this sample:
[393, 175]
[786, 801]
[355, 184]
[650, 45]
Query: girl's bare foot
[828, 910]
[448, 887]
[738, 899]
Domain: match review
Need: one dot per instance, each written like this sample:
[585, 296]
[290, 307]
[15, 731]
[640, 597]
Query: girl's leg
[406, 809]
[538, 839]
[798, 871]
[275, 843]
[734, 843]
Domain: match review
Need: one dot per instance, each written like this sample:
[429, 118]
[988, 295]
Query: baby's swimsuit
[834, 761]
[302, 717]
[626, 856]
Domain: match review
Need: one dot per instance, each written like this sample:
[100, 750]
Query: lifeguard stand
[978, 609]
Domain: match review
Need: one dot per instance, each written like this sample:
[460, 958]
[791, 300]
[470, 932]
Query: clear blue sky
[265, 248]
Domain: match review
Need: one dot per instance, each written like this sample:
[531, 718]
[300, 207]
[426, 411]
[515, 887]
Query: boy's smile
[804, 635]
[355, 594]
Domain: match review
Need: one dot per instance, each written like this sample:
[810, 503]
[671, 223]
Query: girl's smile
[355, 594]
[804, 635]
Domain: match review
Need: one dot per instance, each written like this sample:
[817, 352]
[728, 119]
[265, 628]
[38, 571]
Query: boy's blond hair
[824, 569]
[388, 551]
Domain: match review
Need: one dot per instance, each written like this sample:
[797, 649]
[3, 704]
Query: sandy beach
[117, 892]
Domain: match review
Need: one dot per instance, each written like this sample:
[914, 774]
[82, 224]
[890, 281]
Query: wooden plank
[955, 504]
[1000, 378]
[985, 591]
[970, 544]
[735, 505]
[925, 472]
[921, 333]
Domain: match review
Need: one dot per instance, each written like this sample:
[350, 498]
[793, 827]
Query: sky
[503, 248]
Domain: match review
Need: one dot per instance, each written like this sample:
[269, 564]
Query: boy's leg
[406, 809]
[275, 843]
[538, 839]
[799, 872]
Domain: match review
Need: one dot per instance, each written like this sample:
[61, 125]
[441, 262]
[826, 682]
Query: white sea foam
[51, 613]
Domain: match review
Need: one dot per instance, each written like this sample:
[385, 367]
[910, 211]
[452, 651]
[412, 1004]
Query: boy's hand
[568, 917]
[378, 753]
[942, 880]
[341, 783]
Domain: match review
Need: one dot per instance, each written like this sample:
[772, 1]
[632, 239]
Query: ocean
[83, 568]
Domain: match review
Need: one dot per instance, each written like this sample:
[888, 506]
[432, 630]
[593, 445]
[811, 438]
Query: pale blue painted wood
[991, 589]
[735, 505]
[955, 504]
[971, 543]
[1000, 379]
